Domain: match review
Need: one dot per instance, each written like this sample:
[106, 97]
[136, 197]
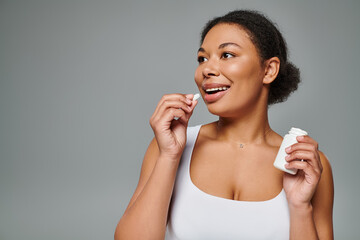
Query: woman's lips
[210, 98]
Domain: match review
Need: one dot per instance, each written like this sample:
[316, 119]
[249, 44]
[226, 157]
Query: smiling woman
[197, 183]
[229, 58]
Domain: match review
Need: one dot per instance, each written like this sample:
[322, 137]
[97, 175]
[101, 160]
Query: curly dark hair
[269, 43]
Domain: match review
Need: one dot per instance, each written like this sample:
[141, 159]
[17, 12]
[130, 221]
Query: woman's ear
[272, 67]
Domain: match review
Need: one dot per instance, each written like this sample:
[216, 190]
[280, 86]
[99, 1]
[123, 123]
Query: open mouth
[216, 90]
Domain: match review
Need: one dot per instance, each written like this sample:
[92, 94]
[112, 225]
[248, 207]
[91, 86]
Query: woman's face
[230, 73]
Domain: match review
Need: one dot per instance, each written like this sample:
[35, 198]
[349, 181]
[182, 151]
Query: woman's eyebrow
[227, 44]
[223, 45]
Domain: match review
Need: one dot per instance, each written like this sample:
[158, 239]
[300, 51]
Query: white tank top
[194, 214]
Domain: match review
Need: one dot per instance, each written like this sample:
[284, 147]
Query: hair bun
[286, 82]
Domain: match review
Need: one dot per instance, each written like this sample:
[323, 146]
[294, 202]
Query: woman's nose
[211, 68]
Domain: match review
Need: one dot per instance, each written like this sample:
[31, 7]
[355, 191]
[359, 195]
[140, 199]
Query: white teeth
[216, 89]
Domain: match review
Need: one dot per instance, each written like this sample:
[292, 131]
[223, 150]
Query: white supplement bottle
[289, 139]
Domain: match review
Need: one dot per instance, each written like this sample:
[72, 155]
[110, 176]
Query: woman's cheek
[198, 74]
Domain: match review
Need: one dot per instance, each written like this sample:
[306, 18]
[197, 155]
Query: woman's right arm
[146, 215]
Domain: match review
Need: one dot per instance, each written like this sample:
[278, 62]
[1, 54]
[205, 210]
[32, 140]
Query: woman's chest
[235, 174]
[195, 214]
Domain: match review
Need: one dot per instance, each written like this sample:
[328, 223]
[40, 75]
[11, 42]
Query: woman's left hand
[301, 187]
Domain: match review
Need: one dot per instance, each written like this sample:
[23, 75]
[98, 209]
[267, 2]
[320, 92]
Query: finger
[183, 120]
[193, 105]
[189, 114]
[309, 147]
[167, 117]
[172, 113]
[172, 97]
[172, 101]
[178, 96]
[297, 165]
[174, 104]
[298, 155]
[300, 146]
[189, 96]
[310, 157]
[306, 167]
[307, 139]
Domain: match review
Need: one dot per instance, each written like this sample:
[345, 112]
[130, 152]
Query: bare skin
[241, 172]
[219, 167]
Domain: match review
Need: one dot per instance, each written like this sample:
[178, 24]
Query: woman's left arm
[310, 192]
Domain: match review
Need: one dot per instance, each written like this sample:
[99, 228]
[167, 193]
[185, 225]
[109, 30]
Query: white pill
[196, 96]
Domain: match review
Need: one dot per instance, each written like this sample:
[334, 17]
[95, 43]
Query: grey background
[80, 79]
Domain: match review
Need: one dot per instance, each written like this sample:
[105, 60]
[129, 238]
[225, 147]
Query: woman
[217, 181]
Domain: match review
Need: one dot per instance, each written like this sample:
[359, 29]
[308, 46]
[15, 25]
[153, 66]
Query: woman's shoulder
[326, 179]
[324, 159]
[326, 175]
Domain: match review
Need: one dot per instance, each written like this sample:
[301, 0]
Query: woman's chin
[219, 111]
[224, 111]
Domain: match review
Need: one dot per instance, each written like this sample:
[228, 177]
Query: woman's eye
[201, 59]
[227, 55]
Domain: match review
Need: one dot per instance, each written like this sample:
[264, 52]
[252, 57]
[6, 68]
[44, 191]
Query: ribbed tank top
[196, 215]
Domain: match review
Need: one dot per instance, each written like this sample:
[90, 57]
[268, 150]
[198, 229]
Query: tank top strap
[183, 175]
[192, 133]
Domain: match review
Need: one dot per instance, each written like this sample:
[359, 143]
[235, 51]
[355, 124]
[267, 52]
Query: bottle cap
[297, 131]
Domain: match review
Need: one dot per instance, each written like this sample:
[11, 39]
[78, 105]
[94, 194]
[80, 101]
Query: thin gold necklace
[242, 145]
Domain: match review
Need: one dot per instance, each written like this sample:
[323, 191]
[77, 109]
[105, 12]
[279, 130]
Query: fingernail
[188, 101]
[287, 149]
[300, 138]
[287, 157]
[286, 165]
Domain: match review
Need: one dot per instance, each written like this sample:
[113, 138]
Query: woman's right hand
[170, 134]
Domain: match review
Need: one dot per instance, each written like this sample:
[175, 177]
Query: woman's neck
[249, 128]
